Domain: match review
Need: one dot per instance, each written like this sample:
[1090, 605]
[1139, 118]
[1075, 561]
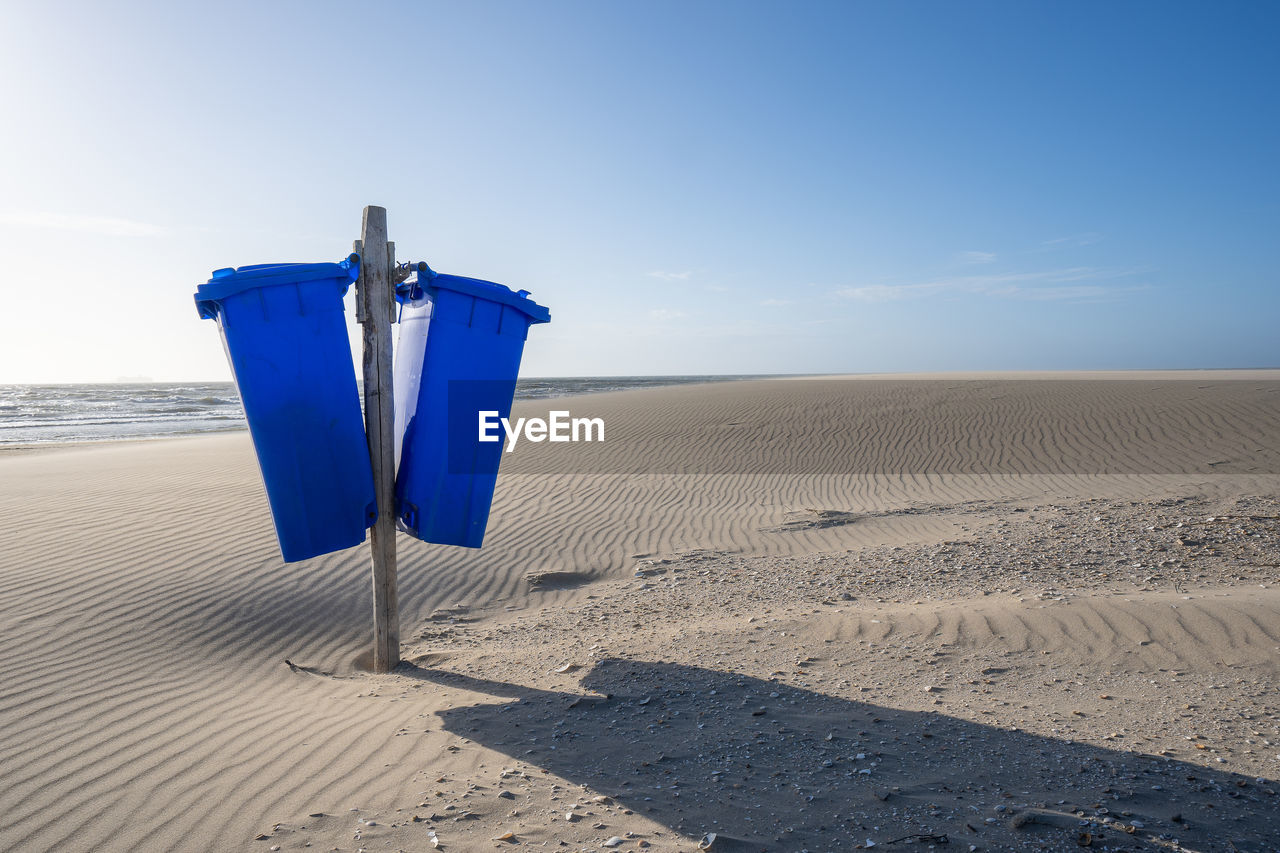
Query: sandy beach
[1025, 613]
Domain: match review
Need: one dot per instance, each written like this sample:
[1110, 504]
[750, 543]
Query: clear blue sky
[692, 187]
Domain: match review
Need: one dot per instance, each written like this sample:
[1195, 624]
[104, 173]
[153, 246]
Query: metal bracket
[401, 272]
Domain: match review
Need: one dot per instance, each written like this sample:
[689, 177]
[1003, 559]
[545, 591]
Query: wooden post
[375, 313]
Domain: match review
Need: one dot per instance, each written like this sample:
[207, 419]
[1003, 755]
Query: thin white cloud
[104, 226]
[883, 292]
[745, 329]
[774, 303]
[1072, 240]
[976, 257]
[670, 276]
[664, 314]
[1072, 283]
[1072, 293]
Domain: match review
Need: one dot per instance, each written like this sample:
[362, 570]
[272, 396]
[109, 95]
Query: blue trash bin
[285, 335]
[458, 355]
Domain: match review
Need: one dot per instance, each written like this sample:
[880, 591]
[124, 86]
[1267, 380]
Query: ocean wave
[37, 414]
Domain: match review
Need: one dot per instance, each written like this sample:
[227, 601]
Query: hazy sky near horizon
[691, 187]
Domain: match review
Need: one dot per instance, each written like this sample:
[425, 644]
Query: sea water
[54, 414]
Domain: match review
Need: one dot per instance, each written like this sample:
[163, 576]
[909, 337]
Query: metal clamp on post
[407, 279]
[401, 273]
[407, 290]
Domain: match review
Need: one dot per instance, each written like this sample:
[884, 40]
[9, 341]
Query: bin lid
[232, 280]
[489, 290]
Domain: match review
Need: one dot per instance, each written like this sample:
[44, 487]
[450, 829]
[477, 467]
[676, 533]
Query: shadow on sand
[772, 767]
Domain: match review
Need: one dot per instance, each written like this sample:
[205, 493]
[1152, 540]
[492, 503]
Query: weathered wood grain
[375, 313]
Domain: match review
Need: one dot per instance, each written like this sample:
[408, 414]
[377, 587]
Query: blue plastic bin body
[285, 335]
[459, 352]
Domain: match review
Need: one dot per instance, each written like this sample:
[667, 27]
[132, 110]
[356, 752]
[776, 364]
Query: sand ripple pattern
[146, 614]
[973, 426]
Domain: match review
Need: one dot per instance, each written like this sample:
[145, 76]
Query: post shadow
[772, 767]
